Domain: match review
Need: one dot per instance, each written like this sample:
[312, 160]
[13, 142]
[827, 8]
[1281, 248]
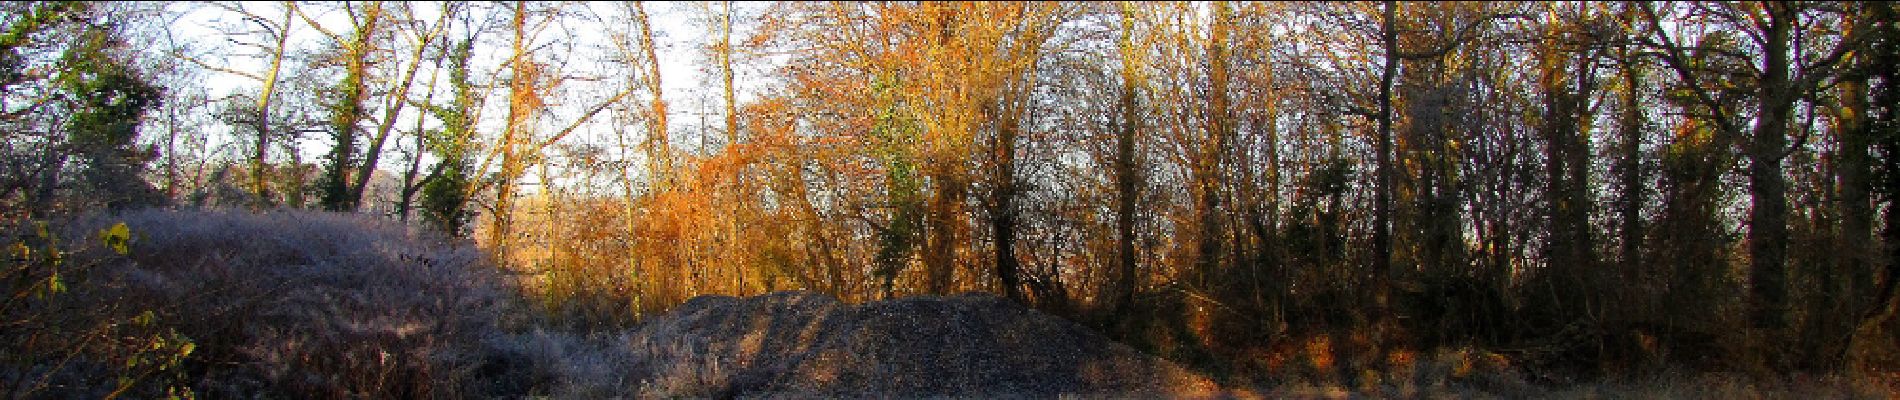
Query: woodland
[1262, 192]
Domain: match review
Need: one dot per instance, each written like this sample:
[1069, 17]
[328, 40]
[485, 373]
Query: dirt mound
[802, 344]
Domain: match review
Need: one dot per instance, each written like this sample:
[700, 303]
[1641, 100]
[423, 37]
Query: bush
[277, 304]
[53, 343]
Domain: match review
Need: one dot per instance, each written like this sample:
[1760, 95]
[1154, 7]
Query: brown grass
[287, 304]
[321, 305]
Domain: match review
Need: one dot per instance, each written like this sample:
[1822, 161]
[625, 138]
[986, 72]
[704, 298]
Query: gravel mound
[803, 344]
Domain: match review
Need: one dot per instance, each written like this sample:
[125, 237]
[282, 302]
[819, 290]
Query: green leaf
[117, 237]
[54, 284]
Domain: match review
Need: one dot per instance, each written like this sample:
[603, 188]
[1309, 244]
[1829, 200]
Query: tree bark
[941, 230]
[659, 146]
[1382, 194]
[260, 173]
[1768, 228]
[1630, 169]
[1848, 282]
[348, 112]
[1856, 183]
[1127, 183]
[392, 108]
[520, 89]
[1219, 124]
[1566, 157]
[1003, 220]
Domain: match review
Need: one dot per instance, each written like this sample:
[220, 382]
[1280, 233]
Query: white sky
[680, 32]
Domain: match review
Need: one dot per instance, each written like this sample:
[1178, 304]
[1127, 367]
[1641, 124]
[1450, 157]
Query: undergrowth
[223, 304]
[238, 304]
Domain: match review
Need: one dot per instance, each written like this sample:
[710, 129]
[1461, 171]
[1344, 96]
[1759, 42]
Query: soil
[804, 344]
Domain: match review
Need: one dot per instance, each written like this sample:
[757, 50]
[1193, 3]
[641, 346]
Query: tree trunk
[1630, 170]
[520, 89]
[740, 186]
[725, 68]
[1566, 157]
[392, 108]
[1855, 176]
[948, 184]
[412, 177]
[1768, 227]
[1219, 124]
[260, 173]
[1382, 194]
[659, 147]
[348, 112]
[1846, 291]
[1003, 202]
[1003, 226]
[1127, 183]
[941, 230]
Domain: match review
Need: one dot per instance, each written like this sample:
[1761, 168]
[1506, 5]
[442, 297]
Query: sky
[680, 31]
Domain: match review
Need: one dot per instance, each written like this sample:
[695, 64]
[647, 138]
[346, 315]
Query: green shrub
[57, 339]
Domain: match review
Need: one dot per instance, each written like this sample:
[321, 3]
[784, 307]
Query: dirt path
[802, 344]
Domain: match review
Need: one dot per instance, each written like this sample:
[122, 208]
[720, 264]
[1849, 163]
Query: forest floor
[808, 344]
[299, 304]
[802, 344]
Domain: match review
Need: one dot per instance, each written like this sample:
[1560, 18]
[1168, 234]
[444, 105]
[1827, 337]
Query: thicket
[1317, 189]
[220, 304]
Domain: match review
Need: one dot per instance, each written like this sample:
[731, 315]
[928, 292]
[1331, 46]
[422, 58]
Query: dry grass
[1469, 373]
[803, 344]
[1664, 386]
[1730, 386]
[305, 305]
[293, 304]
[320, 305]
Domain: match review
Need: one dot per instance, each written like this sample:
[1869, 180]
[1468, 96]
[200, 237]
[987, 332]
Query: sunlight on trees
[1602, 185]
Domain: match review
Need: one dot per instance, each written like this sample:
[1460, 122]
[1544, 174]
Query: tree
[1567, 75]
[1034, 26]
[659, 146]
[1382, 154]
[109, 101]
[1777, 84]
[73, 104]
[276, 34]
[1882, 129]
[1434, 231]
[446, 190]
[898, 237]
[347, 111]
[1206, 164]
[422, 36]
[517, 148]
[1127, 179]
[945, 101]
[33, 158]
[1632, 126]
